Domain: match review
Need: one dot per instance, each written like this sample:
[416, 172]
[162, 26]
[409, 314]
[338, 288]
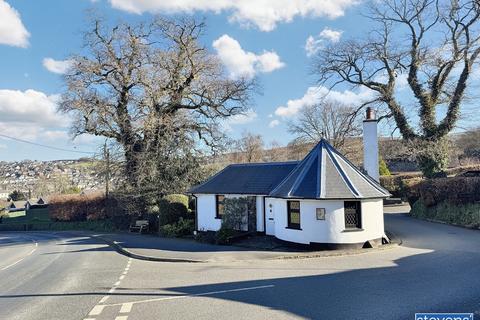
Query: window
[320, 213]
[219, 199]
[353, 215]
[293, 212]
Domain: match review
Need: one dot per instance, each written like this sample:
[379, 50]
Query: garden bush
[183, 227]
[224, 235]
[173, 207]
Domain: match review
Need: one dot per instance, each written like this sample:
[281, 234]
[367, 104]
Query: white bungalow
[322, 200]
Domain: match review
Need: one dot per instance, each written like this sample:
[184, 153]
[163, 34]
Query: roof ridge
[264, 163]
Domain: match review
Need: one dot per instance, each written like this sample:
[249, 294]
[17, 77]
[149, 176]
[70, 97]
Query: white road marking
[125, 272]
[194, 295]
[126, 308]
[96, 310]
[18, 261]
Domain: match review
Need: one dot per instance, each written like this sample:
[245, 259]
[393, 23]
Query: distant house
[36, 204]
[15, 206]
[323, 199]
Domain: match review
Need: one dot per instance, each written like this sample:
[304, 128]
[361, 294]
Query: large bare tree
[327, 119]
[149, 87]
[434, 44]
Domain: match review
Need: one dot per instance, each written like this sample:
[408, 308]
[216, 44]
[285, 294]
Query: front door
[269, 218]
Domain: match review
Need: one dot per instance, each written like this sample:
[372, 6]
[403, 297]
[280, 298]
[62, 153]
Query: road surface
[62, 276]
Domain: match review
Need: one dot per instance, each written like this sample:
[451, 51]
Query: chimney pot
[370, 114]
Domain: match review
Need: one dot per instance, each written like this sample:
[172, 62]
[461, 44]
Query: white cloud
[57, 66]
[239, 119]
[242, 63]
[315, 43]
[264, 14]
[244, 118]
[12, 30]
[3, 146]
[317, 94]
[30, 106]
[274, 123]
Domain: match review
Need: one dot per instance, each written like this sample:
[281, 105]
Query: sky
[272, 40]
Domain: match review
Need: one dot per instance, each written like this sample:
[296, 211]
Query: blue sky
[266, 39]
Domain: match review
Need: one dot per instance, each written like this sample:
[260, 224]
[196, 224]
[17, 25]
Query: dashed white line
[126, 308]
[96, 310]
[194, 295]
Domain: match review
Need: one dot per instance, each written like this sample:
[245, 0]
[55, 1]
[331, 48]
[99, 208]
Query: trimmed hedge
[78, 207]
[455, 191]
[467, 215]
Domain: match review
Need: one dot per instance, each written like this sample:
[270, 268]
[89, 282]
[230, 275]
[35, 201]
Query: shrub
[173, 207]
[383, 168]
[183, 227]
[224, 235]
[235, 213]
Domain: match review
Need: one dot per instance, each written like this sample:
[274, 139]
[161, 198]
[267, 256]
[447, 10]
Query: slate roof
[323, 174]
[326, 174]
[247, 178]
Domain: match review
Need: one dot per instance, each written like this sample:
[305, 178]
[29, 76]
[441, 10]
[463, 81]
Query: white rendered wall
[370, 148]
[260, 226]
[206, 211]
[332, 229]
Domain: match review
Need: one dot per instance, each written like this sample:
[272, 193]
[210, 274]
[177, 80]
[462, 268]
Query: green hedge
[467, 215]
[173, 207]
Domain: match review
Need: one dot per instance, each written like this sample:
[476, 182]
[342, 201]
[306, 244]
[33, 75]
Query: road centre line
[121, 318]
[96, 310]
[126, 307]
[20, 260]
[193, 295]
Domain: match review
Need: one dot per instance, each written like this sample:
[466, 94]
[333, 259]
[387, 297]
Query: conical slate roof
[326, 174]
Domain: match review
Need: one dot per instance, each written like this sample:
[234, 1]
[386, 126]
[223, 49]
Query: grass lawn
[15, 214]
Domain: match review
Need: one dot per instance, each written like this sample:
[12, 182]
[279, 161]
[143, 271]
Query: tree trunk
[432, 157]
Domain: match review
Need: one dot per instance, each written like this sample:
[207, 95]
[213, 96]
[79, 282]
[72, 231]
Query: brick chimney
[370, 144]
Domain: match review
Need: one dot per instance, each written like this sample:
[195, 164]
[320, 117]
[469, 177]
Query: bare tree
[149, 86]
[327, 119]
[249, 148]
[434, 44]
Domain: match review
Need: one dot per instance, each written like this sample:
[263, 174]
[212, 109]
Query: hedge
[454, 190]
[467, 214]
[77, 207]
